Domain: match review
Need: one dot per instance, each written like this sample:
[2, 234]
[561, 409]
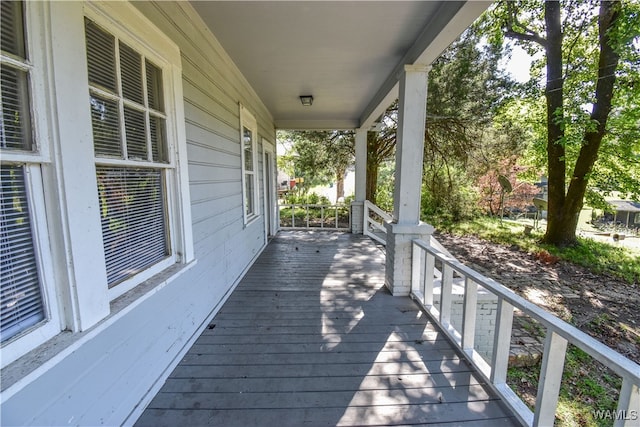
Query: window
[22, 299]
[248, 136]
[16, 115]
[137, 196]
[22, 305]
[133, 165]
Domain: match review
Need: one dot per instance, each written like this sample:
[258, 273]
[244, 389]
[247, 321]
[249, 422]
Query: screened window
[249, 175]
[21, 294]
[16, 115]
[130, 146]
[22, 305]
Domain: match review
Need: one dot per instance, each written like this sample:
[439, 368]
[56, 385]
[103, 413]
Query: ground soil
[603, 306]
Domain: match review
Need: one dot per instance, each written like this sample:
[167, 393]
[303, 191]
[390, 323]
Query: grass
[599, 257]
[587, 386]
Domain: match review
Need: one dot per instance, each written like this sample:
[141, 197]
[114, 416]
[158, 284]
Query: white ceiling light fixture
[307, 100]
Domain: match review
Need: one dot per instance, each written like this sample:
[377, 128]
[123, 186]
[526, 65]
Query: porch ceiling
[346, 54]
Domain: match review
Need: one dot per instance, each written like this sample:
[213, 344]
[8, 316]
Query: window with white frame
[22, 294]
[133, 162]
[248, 138]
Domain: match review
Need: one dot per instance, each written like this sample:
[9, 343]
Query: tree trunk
[372, 181]
[561, 231]
[555, 127]
[340, 184]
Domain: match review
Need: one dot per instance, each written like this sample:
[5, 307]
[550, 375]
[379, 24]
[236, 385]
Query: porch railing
[374, 219]
[431, 268]
[312, 216]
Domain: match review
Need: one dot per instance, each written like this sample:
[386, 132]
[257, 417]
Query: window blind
[21, 300]
[129, 126]
[154, 86]
[101, 60]
[248, 150]
[12, 28]
[157, 131]
[133, 220]
[105, 121]
[248, 194]
[135, 134]
[16, 117]
[249, 173]
[131, 72]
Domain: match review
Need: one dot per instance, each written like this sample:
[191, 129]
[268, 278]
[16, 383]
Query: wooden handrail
[369, 223]
[381, 236]
[323, 209]
[559, 334]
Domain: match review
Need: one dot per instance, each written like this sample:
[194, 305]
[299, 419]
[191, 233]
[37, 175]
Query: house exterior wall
[111, 370]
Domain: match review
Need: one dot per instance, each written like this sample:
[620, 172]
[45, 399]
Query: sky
[518, 65]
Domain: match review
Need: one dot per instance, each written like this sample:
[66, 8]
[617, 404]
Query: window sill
[251, 220]
[17, 375]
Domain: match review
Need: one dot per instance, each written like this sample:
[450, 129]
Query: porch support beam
[357, 206]
[406, 224]
[412, 110]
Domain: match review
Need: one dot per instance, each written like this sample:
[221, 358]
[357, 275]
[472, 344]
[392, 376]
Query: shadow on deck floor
[312, 337]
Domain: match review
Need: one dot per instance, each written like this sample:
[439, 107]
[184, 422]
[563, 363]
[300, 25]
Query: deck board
[312, 337]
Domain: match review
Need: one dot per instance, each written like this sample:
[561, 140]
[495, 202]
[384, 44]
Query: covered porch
[311, 336]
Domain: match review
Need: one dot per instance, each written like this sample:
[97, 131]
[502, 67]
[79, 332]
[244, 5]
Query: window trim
[36, 64]
[269, 186]
[128, 25]
[248, 120]
[73, 277]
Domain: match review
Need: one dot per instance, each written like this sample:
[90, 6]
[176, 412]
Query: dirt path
[605, 307]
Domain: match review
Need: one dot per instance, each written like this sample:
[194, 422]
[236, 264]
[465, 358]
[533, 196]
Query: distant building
[626, 212]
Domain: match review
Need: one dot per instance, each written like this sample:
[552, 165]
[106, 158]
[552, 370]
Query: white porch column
[357, 206]
[406, 224]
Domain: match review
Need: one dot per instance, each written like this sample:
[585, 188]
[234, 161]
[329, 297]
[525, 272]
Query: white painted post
[628, 404]
[501, 342]
[446, 288]
[469, 307]
[410, 144]
[555, 348]
[416, 267]
[357, 206]
[427, 291]
[405, 225]
[365, 219]
[361, 165]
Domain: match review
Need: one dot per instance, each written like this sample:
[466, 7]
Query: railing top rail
[377, 210]
[313, 205]
[614, 360]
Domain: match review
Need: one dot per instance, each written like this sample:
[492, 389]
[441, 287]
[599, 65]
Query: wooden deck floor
[312, 337]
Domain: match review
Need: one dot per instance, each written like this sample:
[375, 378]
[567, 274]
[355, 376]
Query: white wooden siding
[108, 379]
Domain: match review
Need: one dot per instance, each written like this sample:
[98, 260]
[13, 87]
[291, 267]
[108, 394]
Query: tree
[582, 54]
[320, 157]
[464, 138]
[518, 199]
[381, 147]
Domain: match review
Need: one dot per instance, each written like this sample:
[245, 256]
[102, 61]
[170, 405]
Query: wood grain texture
[312, 337]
